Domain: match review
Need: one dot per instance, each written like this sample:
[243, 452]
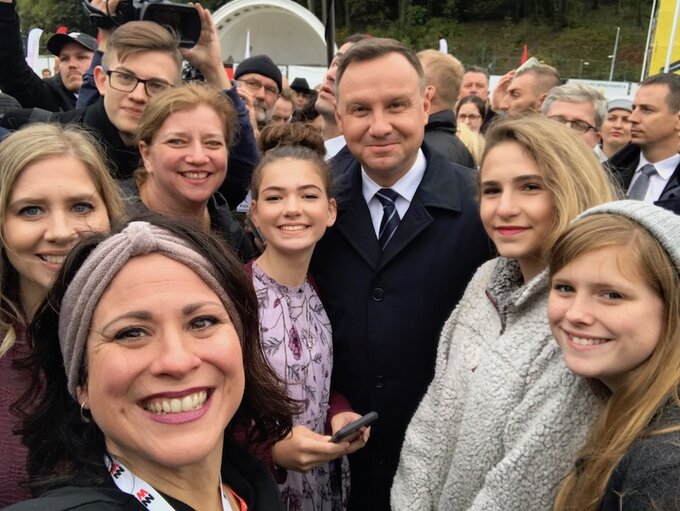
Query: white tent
[282, 29]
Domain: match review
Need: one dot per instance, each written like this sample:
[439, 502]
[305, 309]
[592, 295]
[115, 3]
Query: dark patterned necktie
[639, 188]
[390, 220]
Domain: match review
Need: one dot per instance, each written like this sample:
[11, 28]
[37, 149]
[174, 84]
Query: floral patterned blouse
[296, 337]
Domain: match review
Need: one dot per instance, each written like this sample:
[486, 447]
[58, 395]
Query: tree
[50, 14]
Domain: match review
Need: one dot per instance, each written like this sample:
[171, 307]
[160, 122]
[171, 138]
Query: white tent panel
[282, 29]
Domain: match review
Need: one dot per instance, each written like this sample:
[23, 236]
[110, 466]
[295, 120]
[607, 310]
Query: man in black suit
[649, 167]
[407, 240]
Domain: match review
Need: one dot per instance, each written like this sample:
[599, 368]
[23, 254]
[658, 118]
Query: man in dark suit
[649, 167]
[407, 240]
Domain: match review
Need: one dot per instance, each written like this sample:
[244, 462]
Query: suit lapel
[672, 189]
[354, 219]
[415, 220]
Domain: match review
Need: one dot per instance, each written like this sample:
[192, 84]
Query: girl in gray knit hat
[614, 309]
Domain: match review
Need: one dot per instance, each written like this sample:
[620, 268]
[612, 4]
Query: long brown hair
[628, 412]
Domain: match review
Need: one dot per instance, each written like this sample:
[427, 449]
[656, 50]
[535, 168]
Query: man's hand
[501, 90]
[206, 55]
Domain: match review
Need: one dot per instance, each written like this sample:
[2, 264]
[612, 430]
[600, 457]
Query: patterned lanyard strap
[129, 483]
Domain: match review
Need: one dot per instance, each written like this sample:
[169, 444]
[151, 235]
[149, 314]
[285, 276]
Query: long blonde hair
[571, 171]
[645, 390]
[29, 145]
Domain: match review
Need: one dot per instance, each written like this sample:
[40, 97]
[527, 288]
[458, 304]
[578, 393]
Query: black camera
[183, 20]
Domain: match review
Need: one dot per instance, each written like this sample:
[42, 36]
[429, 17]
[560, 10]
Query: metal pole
[330, 30]
[616, 47]
[649, 37]
[671, 41]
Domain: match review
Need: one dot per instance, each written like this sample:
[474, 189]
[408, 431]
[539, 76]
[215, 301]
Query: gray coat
[503, 419]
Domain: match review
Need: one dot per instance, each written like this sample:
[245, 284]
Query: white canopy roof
[282, 29]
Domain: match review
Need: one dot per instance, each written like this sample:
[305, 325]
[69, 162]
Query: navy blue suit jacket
[387, 309]
[624, 163]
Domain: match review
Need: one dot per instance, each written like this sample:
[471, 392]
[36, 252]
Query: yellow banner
[662, 34]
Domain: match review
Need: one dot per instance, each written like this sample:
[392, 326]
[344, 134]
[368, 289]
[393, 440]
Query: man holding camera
[18, 79]
[141, 59]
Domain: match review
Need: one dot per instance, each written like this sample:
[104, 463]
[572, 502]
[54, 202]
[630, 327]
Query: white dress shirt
[406, 188]
[658, 181]
[333, 146]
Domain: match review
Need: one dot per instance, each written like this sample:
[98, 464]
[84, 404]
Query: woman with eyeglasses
[470, 111]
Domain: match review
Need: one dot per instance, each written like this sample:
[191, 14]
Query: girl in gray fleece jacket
[503, 417]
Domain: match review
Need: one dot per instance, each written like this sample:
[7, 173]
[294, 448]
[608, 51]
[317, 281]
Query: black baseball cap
[57, 42]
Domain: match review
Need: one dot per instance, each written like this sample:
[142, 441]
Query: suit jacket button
[378, 294]
[379, 382]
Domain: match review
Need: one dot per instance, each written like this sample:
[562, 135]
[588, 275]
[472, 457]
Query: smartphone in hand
[354, 427]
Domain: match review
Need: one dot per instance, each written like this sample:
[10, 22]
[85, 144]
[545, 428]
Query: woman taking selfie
[503, 417]
[149, 345]
[184, 138]
[614, 310]
[54, 190]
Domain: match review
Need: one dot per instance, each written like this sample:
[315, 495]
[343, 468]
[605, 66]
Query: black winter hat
[262, 65]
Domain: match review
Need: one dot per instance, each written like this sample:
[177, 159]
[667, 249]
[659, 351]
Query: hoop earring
[85, 419]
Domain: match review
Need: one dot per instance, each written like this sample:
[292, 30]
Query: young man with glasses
[580, 107]
[141, 59]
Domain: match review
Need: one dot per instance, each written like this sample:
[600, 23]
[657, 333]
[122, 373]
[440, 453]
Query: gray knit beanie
[664, 225]
[98, 270]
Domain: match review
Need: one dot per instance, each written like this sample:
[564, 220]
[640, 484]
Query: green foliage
[49, 14]
[574, 35]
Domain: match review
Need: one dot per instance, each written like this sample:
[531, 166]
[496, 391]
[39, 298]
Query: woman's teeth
[177, 405]
[583, 341]
[195, 175]
[54, 259]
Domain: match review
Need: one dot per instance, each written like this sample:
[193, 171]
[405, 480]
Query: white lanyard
[131, 484]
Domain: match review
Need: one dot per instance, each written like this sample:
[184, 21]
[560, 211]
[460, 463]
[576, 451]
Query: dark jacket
[18, 79]
[222, 221]
[240, 470]
[387, 309]
[623, 165]
[648, 476]
[440, 134]
[123, 160]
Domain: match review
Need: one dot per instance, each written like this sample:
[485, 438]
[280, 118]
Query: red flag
[525, 54]
[62, 29]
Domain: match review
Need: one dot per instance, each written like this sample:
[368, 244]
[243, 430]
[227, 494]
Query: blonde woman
[54, 190]
[503, 417]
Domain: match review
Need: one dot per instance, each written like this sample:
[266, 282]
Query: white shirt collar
[333, 146]
[664, 168]
[406, 186]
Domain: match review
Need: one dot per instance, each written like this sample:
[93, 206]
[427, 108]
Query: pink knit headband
[99, 269]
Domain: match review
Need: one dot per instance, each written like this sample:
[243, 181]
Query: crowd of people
[206, 281]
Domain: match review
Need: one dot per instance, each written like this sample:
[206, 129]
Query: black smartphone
[354, 427]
